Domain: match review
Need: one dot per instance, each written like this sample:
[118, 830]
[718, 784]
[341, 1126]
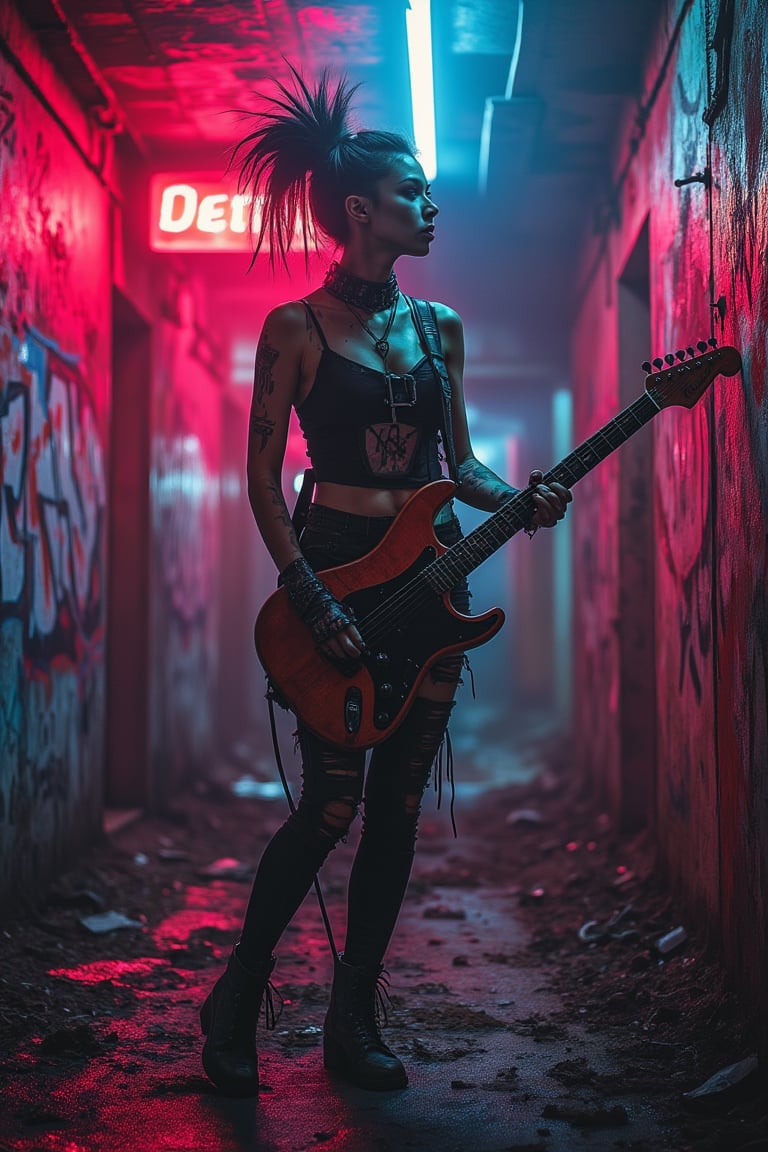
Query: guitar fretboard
[478, 545]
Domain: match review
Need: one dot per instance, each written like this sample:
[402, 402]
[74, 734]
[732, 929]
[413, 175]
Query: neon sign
[202, 214]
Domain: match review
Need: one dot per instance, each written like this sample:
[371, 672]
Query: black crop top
[347, 423]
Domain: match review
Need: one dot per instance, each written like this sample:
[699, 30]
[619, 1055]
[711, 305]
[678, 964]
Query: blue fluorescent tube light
[418, 26]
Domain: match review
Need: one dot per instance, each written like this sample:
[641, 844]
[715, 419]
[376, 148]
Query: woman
[350, 360]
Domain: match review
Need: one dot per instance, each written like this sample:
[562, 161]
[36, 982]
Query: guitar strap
[425, 322]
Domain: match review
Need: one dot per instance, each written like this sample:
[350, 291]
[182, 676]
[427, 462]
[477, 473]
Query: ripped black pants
[334, 783]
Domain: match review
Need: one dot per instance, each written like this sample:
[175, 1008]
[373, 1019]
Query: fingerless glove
[315, 604]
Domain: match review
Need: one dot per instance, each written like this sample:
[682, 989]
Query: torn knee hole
[413, 804]
[339, 814]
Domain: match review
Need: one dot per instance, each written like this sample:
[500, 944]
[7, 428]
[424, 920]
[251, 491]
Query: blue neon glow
[418, 25]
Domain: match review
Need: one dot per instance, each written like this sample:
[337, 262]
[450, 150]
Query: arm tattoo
[261, 427]
[476, 477]
[282, 514]
[263, 384]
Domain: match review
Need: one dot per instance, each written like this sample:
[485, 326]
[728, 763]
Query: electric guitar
[399, 592]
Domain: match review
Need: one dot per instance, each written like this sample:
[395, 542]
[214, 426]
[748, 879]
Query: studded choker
[367, 295]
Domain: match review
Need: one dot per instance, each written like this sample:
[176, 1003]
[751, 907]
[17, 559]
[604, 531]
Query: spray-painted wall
[64, 241]
[710, 467]
[54, 388]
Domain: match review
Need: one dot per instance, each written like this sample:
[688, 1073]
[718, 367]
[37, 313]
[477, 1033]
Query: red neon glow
[118, 972]
[203, 213]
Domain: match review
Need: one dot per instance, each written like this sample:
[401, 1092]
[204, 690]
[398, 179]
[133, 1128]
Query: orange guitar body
[405, 638]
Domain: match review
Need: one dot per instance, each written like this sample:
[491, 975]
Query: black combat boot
[352, 1043]
[228, 1020]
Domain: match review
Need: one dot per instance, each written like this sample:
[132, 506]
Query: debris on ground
[670, 941]
[108, 922]
[726, 1084]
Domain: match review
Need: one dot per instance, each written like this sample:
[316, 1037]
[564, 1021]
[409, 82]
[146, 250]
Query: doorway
[128, 783]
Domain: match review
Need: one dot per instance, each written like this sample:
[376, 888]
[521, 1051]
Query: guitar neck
[461, 559]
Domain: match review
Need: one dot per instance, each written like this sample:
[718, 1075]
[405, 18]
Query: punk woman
[355, 362]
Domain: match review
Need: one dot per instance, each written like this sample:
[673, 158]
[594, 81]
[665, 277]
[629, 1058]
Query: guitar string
[419, 590]
[410, 597]
[464, 545]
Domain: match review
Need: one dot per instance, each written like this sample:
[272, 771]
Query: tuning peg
[669, 358]
[646, 366]
[712, 342]
[702, 345]
[680, 354]
[658, 362]
[690, 351]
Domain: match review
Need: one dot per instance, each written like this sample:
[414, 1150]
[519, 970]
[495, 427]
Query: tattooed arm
[479, 486]
[277, 374]
[277, 377]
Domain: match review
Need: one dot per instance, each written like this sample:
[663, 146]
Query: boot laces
[381, 999]
[271, 1014]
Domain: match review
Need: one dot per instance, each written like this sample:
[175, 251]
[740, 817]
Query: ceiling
[172, 72]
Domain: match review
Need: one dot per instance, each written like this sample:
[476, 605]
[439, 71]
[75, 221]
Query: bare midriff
[363, 501]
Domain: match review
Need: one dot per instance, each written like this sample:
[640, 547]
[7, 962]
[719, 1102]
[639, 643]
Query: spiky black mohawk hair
[301, 161]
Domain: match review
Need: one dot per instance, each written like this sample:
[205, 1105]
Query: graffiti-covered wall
[704, 117]
[54, 388]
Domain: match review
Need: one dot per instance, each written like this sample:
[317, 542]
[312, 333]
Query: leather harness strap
[425, 321]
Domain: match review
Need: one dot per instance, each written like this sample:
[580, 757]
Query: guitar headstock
[683, 377]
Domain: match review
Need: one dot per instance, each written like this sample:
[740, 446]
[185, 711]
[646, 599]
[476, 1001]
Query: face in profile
[401, 212]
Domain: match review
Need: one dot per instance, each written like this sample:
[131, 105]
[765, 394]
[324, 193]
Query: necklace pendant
[382, 347]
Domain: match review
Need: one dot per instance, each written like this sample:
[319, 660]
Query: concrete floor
[490, 1040]
[477, 1032]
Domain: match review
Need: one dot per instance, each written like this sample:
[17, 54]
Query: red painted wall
[54, 396]
[711, 480]
[70, 226]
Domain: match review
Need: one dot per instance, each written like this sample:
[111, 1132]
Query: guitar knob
[658, 362]
[646, 366]
[681, 354]
[669, 358]
[385, 690]
[702, 345]
[690, 351]
[381, 659]
[712, 342]
[382, 719]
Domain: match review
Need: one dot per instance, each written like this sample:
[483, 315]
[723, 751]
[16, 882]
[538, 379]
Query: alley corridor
[424, 269]
[517, 1034]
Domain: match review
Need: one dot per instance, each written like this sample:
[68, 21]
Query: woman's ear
[357, 208]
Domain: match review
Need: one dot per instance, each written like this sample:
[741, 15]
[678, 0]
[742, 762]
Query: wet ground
[531, 999]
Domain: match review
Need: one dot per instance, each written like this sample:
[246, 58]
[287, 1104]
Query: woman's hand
[344, 646]
[331, 623]
[550, 500]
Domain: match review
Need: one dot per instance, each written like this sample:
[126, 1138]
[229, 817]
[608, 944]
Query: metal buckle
[401, 392]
